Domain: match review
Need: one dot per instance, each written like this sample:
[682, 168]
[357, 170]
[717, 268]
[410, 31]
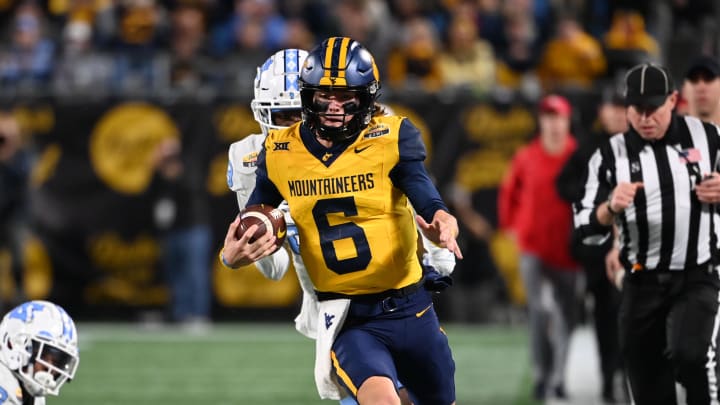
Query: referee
[658, 184]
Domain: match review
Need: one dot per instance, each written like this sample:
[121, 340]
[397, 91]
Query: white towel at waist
[331, 316]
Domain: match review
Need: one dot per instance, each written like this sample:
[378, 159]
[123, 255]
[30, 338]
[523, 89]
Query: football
[266, 217]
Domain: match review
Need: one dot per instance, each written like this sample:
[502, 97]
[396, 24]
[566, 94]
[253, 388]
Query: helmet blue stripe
[67, 323]
[292, 69]
[335, 60]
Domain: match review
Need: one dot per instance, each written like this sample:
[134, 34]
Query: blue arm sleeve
[410, 176]
[265, 191]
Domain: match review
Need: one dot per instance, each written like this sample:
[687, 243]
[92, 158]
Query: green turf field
[262, 364]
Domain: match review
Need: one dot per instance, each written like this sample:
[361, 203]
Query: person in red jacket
[531, 210]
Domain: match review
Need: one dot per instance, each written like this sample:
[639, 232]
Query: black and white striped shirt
[666, 226]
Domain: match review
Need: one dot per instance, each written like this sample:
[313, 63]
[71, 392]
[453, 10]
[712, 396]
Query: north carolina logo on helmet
[339, 63]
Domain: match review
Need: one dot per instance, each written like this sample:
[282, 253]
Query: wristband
[224, 262]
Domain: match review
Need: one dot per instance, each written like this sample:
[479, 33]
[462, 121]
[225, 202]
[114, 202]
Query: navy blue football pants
[399, 338]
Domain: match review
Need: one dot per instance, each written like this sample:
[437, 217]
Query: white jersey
[10, 391]
[241, 179]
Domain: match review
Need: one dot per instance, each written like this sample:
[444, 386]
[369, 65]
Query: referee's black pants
[606, 307]
[668, 332]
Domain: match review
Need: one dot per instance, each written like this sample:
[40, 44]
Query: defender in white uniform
[39, 353]
[277, 105]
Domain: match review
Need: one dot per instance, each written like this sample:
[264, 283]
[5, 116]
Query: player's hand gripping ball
[266, 217]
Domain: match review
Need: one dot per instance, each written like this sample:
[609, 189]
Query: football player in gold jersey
[347, 176]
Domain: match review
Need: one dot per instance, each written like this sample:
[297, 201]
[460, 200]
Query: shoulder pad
[243, 154]
[10, 391]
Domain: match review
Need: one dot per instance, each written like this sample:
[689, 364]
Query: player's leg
[402, 393]
[424, 360]
[365, 367]
[378, 390]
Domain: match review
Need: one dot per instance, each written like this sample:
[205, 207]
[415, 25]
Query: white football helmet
[39, 345]
[276, 88]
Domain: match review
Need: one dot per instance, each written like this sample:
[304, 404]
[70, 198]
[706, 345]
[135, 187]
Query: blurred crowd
[111, 47]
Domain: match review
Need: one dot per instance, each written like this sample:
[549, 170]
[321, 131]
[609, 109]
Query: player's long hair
[380, 110]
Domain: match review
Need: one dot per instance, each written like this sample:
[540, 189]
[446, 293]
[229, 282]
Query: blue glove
[293, 239]
[436, 282]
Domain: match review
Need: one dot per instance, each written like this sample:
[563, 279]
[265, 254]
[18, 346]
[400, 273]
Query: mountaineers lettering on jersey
[333, 185]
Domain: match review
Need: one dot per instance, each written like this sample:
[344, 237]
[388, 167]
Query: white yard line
[583, 370]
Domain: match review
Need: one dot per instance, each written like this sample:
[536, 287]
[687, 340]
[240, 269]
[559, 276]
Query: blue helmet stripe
[285, 68]
[292, 69]
[335, 60]
[67, 323]
[297, 70]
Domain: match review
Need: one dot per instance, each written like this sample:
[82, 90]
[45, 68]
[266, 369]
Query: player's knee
[378, 391]
[381, 399]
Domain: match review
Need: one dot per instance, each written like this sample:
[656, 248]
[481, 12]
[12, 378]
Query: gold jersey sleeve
[357, 231]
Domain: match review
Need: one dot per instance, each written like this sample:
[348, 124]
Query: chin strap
[27, 397]
[45, 379]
